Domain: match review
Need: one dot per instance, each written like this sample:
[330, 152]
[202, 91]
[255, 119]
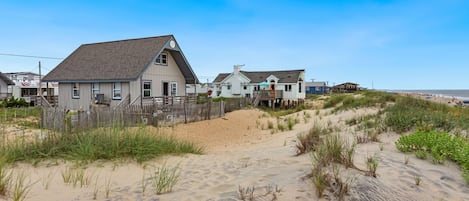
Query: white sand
[240, 154]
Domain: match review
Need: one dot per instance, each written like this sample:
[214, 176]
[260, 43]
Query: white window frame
[173, 86]
[76, 90]
[162, 59]
[95, 89]
[117, 90]
[145, 90]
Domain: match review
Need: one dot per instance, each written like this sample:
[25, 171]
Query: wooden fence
[155, 114]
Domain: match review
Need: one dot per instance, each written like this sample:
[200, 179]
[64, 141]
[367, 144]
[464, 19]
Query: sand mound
[240, 154]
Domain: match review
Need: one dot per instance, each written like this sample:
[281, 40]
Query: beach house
[5, 82]
[347, 87]
[123, 72]
[316, 87]
[285, 85]
[26, 86]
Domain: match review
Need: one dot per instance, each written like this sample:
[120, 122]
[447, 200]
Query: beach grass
[102, 143]
[408, 112]
[342, 102]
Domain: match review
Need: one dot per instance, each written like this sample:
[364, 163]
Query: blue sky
[421, 44]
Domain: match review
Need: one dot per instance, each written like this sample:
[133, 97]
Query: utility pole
[40, 83]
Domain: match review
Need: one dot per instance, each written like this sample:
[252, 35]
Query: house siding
[86, 99]
[158, 74]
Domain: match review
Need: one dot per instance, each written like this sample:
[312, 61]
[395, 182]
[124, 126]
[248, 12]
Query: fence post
[185, 111]
[209, 111]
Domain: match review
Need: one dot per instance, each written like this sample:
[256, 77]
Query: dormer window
[162, 59]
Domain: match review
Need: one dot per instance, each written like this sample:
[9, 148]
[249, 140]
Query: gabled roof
[122, 60]
[6, 79]
[286, 76]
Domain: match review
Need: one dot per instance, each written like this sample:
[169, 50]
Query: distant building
[194, 89]
[316, 88]
[347, 87]
[5, 89]
[286, 85]
[26, 85]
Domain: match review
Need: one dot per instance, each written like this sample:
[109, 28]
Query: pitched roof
[220, 77]
[6, 79]
[116, 61]
[286, 76]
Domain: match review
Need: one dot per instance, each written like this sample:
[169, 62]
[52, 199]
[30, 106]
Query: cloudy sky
[381, 44]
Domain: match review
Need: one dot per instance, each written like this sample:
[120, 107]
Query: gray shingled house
[279, 85]
[124, 72]
[4, 83]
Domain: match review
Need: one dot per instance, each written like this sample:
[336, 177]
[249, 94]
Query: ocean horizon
[462, 94]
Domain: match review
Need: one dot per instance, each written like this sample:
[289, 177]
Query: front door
[165, 88]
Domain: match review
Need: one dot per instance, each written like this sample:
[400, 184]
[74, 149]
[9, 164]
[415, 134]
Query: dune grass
[22, 116]
[359, 100]
[103, 143]
[401, 113]
[409, 112]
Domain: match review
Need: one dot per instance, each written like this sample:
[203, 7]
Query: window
[75, 90]
[146, 88]
[162, 59]
[299, 87]
[116, 91]
[228, 87]
[94, 89]
[245, 87]
[174, 88]
[288, 87]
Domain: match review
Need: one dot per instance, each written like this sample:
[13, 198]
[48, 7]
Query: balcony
[269, 94]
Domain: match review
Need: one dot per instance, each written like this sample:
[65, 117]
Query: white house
[285, 85]
[124, 72]
[26, 85]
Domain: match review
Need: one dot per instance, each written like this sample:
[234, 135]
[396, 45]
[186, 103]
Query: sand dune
[240, 154]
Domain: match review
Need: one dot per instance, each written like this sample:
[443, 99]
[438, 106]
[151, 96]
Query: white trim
[162, 59]
[95, 89]
[76, 88]
[149, 90]
[173, 86]
[117, 91]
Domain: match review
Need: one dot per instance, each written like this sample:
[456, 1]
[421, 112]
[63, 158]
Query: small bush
[439, 145]
[270, 124]
[14, 102]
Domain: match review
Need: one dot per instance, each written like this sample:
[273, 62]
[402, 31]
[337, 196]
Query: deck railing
[268, 94]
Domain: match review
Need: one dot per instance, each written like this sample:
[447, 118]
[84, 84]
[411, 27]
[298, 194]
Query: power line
[30, 56]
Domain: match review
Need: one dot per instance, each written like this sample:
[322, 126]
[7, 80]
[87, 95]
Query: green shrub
[14, 102]
[439, 145]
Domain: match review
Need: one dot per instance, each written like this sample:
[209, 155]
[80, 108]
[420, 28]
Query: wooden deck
[269, 94]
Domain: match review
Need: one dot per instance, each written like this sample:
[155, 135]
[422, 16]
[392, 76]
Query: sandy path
[241, 154]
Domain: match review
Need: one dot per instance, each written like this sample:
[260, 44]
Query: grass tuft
[165, 178]
[103, 143]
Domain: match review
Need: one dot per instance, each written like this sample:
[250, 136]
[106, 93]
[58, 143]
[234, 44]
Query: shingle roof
[115, 61]
[220, 77]
[6, 79]
[286, 76]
